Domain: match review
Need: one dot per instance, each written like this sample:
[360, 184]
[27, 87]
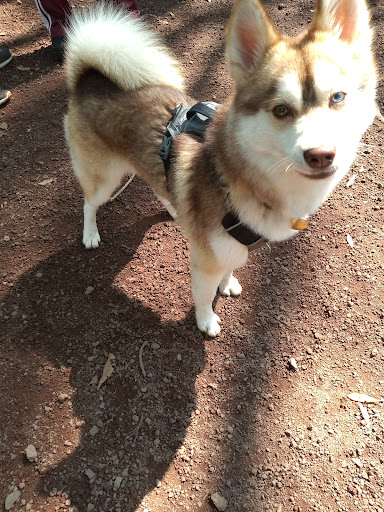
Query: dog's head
[302, 104]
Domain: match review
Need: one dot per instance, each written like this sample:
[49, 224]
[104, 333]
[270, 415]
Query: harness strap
[192, 120]
[195, 121]
[203, 108]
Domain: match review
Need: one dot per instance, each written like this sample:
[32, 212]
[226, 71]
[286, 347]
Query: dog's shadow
[63, 318]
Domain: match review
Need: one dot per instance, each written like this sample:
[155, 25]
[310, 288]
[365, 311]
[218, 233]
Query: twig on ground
[137, 428]
[122, 188]
[141, 357]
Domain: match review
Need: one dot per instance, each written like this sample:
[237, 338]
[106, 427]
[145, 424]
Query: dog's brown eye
[281, 111]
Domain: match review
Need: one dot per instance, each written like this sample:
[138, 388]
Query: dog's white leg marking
[229, 285]
[91, 237]
[168, 206]
[204, 287]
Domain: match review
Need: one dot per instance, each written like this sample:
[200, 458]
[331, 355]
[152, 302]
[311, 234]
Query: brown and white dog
[278, 146]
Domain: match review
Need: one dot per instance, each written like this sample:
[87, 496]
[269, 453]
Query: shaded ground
[198, 416]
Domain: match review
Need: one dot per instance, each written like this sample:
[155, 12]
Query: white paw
[231, 287]
[209, 324]
[91, 240]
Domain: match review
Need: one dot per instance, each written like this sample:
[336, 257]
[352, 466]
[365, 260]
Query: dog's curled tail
[109, 39]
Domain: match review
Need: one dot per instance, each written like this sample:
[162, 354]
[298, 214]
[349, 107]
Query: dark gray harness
[195, 120]
[192, 120]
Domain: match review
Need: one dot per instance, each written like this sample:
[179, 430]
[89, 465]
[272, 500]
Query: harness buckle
[165, 148]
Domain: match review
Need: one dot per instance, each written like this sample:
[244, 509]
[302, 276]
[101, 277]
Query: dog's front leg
[204, 288]
[229, 285]
[205, 281]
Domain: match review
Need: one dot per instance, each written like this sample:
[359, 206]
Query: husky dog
[270, 157]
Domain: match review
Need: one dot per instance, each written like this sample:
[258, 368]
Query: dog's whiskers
[370, 145]
[279, 162]
[287, 169]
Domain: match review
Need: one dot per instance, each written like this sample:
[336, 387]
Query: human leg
[54, 14]
[131, 4]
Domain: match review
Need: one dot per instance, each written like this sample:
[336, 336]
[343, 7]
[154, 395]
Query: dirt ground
[182, 417]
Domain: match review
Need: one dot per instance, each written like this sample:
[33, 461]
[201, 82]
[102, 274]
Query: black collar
[242, 233]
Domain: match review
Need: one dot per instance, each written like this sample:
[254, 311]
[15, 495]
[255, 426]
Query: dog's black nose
[318, 158]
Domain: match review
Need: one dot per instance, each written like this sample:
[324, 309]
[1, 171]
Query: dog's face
[302, 104]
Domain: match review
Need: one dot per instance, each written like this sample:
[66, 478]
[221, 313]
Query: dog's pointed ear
[348, 19]
[249, 34]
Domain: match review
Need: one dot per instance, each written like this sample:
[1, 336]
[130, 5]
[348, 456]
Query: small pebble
[219, 502]
[94, 430]
[117, 482]
[11, 499]
[31, 453]
[90, 474]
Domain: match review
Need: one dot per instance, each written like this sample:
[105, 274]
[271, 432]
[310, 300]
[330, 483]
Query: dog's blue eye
[338, 97]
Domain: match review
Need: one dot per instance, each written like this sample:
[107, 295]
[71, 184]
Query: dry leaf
[350, 240]
[46, 182]
[351, 181]
[365, 415]
[360, 397]
[108, 370]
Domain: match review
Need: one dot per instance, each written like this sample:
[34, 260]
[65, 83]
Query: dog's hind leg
[168, 205]
[98, 184]
[91, 237]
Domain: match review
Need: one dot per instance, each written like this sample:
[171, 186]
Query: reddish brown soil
[227, 415]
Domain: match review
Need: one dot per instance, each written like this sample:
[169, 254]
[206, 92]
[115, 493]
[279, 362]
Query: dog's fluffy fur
[280, 144]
